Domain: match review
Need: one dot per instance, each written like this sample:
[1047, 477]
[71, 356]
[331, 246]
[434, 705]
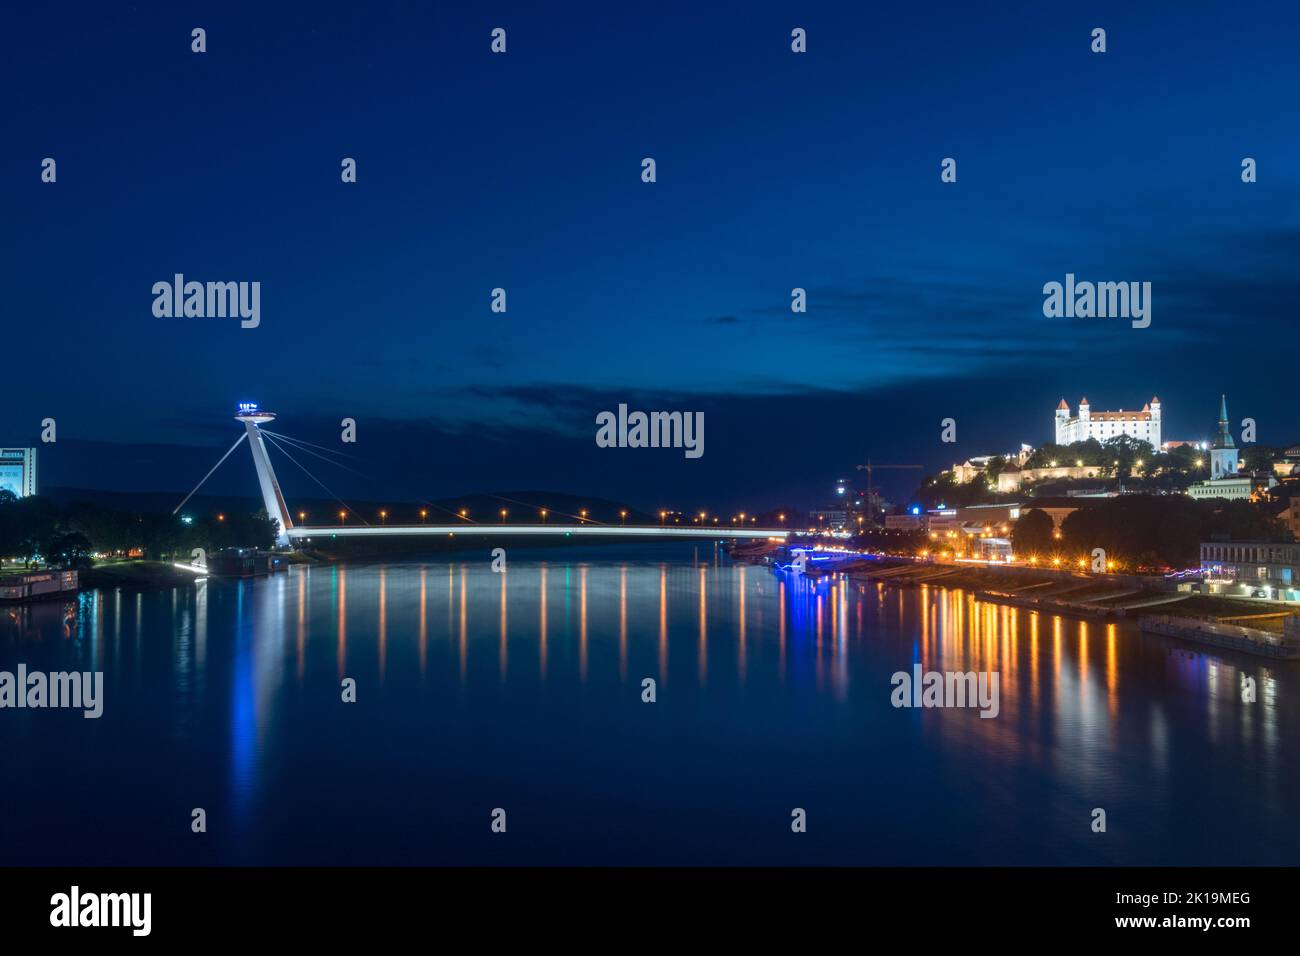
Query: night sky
[522, 171]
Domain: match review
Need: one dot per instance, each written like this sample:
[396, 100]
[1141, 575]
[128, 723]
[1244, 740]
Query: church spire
[1224, 438]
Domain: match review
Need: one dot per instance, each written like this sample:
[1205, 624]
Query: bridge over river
[254, 417]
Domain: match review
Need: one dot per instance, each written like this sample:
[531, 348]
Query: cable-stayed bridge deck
[300, 533]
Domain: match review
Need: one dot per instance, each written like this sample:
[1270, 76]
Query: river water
[521, 691]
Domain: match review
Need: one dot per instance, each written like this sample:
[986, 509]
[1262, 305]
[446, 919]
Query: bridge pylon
[272, 497]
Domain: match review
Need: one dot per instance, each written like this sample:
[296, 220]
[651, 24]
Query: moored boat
[37, 585]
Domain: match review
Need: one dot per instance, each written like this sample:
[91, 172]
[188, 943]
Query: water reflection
[464, 626]
[339, 579]
[703, 588]
[424, 619]
[1089, 711]
[582, 627]
[383, 621]
[622, 624]
[740, 622]
[542, 622]
[302, 616]
[663, 625]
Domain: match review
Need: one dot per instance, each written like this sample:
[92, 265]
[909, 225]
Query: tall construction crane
[869, 468]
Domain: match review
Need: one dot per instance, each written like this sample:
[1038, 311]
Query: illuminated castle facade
[1143, 425]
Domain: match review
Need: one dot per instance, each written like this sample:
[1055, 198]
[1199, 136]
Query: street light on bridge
[424, 513]
[582, 516]
[503, 515]
[622, 517]
[302, 516]
[662, 516]
[543, 516]
[383, 516]
[342, 516]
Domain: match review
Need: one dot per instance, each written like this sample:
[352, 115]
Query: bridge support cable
[315, 479]
[455, 514]
[299, 441]
[209, 474]
[306, 446]
[300, 446]
[578, 518]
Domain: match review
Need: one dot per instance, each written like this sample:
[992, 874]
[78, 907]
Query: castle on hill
[1143, 425]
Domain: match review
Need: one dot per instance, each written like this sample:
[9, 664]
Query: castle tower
[1156, 440]
[1084, 411]
[1223, 450]
[1062, 416]
[272, 498]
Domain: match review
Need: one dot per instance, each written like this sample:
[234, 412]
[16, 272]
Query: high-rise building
[18, 471]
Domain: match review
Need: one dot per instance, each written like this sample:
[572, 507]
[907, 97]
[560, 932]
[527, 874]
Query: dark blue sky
[522, 171]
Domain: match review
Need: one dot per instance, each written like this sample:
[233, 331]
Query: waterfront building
[1290, 518]
[1252, 569]
[987, 529]
[991, 548]
[992, 516]
[942, 519]
[907, 522]
[18, 471]
[976, 530]
[828, 519]
[1143, 425]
